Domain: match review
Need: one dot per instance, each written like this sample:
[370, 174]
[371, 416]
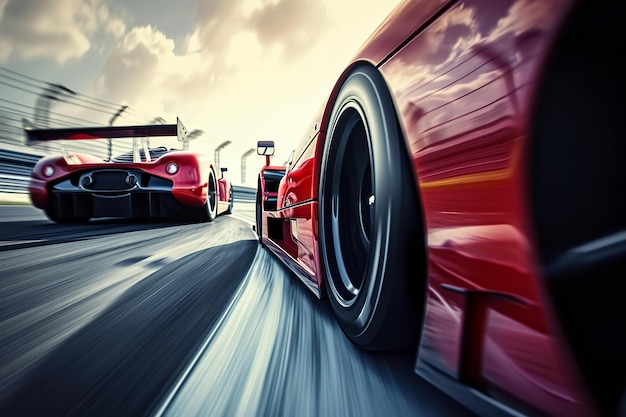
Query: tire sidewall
[362, 319]
[259, 211]
[211, 210]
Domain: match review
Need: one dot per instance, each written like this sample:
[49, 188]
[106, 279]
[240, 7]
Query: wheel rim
[351, 205]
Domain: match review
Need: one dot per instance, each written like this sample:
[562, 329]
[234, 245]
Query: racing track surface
[173, 319]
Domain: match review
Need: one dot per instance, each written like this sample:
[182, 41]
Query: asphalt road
[114, 318]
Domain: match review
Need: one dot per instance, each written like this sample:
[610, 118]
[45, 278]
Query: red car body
[170, 183]
[510, 147]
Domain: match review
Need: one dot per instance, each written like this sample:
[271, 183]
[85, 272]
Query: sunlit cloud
[59, 30]
[295, 25]
[215, 23]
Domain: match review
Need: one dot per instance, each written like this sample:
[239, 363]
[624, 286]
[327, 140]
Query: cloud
[144, 69]
[60, 29]
[205, 63]
[293, 24]
[215, 24]
[134, 68]
[112, 24]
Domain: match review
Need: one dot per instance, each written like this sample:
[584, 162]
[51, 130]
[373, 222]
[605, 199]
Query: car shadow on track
[32, 233]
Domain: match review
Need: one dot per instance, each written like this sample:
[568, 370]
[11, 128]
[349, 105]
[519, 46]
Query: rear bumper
[137, 204]
[114, 192]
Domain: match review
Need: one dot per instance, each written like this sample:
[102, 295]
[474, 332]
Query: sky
[239, 70]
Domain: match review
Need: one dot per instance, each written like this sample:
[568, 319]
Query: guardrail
[15, 169]
[244, 193]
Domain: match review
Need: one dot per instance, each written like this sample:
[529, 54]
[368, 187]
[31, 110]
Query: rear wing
[35, 136]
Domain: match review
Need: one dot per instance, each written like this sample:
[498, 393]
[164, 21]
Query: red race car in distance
[460, 194]
[143, 183]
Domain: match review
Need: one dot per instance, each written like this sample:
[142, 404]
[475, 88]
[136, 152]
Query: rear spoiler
[34, 135]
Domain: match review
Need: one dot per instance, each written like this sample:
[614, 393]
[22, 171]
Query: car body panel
[464, 76]
[289, 228]
[466, 135]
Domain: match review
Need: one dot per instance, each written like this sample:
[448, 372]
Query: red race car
[145, 183]
[460, 194]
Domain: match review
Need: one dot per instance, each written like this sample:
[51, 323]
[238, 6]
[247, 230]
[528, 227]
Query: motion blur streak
[239, 353]
[280, 352]
[69, 305]
[56, 285]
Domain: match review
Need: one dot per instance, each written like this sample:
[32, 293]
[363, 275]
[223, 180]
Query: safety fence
[15, 169]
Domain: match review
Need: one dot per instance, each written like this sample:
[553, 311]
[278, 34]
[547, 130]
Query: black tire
[371, 233]
[229, 210]
[208, 211]
[259, 211]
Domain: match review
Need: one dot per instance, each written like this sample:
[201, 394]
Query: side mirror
[223, 169]
[265, 147]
